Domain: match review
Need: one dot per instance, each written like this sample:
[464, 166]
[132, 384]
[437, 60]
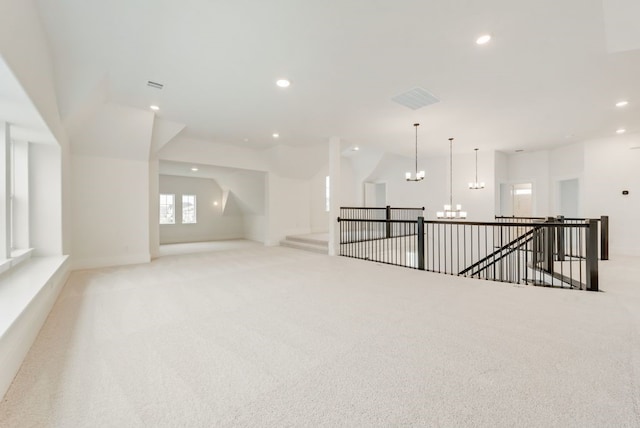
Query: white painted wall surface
[565, 163]
[116, 131]
[154, 203]
[206, 152]
[611, 167]
[25, 49]
[213, 222]
[347, 195]
[110, 205]
[532, 167]
[288, 208]
[45, 199]
[500, 175]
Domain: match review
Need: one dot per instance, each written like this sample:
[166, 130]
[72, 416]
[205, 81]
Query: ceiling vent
[155, 84]
[416, 98]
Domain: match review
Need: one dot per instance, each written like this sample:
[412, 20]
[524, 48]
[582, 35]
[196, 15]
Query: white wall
[248, 189]
[348, 194]
[532, 167]
[501, 175]
[610, 167]
[288, 208]
[45, 199]
[213, 222]
[110, 211]
[433, 192]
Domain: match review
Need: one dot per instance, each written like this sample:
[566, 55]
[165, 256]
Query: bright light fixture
[154, 108]
[194, 169]
[483, 39]
[622, 103]
[283, 83]
[621, 131]
[275, 135]
[356, 148]
[215, 203]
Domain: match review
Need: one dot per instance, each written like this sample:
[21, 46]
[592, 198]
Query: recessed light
[622, 103]
[194, 169]
[283, 83]
[483, 39]
[154, 108]
[356, 148]
[621, 131]
[215, 203]
[275, 135]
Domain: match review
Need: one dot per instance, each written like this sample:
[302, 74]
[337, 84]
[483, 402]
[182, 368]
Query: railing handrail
[467, 223]
[408, 242]
[382, 208]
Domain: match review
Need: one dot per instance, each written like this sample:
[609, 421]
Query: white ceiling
[546, 78]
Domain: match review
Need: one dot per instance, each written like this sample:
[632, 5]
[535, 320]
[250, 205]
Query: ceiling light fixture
[356, 148]
[154, 108]
[476, 185]
[622, 103]
[483, 39]
[449, 212]
[275, 135]
[283, 83]
[621, 131]
[194, 169]
[419, 174]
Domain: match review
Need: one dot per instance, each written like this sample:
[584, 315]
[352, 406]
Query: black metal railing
[603, 227]
[368, 228]
[558, 254]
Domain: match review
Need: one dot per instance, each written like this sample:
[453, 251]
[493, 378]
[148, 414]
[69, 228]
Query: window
[167, 209]
[327, 194]
[188, 209]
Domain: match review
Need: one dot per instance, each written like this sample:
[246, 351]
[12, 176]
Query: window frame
[161, 204]
[195, 208]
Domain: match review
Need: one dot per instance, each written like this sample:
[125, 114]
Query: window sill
[17, 257]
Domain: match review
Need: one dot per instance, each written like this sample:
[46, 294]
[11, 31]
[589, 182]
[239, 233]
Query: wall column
[334, 195]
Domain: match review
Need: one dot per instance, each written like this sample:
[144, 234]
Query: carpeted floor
[276, 337]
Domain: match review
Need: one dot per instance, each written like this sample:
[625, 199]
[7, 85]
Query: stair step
[305, 246]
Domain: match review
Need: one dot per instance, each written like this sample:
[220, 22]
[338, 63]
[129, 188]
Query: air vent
[416, 98]
[155, 84]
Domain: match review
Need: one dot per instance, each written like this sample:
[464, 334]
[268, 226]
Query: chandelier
[419, 174]
[476, 184]
[449, 212]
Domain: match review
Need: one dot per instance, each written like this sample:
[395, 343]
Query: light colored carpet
[277, 337]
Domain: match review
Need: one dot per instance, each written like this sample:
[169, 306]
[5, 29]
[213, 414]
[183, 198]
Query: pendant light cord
[451, 172]
[476, 165]
[416, 126]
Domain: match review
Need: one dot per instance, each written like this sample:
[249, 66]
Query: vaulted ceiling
[551, 74]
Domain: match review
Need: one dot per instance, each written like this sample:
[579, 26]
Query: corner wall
[110, 211]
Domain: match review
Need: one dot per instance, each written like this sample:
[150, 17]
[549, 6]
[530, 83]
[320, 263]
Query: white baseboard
[99, 262]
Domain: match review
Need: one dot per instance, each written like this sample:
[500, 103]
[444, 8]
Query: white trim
[98, 262]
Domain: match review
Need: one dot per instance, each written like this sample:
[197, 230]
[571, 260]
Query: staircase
[312, 243]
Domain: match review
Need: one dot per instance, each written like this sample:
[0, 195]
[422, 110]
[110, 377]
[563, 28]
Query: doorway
[375, 194]
[516, 199]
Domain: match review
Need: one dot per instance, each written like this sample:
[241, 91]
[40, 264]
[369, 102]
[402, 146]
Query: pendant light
[476, 185]
[419, 174]
[449, 212]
